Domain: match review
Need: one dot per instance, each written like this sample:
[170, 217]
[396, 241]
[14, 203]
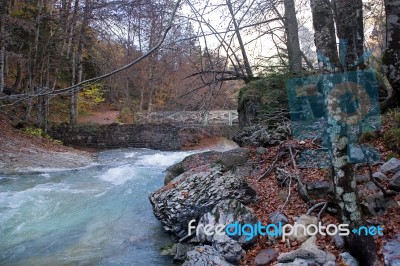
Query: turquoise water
[98, 215]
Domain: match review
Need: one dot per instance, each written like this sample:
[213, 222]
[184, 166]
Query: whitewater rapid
[97, 215]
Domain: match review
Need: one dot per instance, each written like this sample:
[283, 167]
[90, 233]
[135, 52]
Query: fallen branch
[324, 205]
[301, 187]
[287, 175]
[279, 157]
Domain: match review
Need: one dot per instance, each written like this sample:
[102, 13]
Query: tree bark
[350, 28]
[324, 36]
[292, 32]
[79, 62]
[3, 13]
[391, 58]
[18, 78]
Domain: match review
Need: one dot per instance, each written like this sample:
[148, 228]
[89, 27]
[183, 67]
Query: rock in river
[194, 193]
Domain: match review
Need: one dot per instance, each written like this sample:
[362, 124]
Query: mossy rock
[262, 99]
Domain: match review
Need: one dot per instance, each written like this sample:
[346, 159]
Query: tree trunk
[18, 78]
[72, 29]
[345, 187]
[292, 32]
[391, 58]
[324, 36]
[79, 62]
[350, 28]
[3, 12]
[151, 84]
[72, 114]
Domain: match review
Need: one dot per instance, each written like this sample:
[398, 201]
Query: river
[97, 215]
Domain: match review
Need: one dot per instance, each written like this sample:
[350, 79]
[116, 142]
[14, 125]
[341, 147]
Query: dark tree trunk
[391, 58]
[324, 36]
[18, 78]
[3, 13]
[349, 24]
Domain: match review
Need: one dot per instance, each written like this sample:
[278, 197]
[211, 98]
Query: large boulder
[261, 136]
[228, 159]
[190, 162]
[194, 193]
[204, 256]
[228, 212]
[263, 99]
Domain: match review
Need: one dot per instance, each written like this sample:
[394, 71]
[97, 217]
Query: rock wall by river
[153, 136]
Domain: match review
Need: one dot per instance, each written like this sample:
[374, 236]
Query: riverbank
[23, 152]
[271, 185]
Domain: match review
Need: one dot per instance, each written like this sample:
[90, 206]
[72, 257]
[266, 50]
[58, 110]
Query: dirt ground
[22, 152]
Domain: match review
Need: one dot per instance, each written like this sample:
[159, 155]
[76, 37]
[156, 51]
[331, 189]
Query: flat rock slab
[391, 252]
[205, 256]
[307, 251]
[265, 257]
[391, 166]
[395, 182]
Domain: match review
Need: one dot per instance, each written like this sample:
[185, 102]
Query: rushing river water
[99, 215]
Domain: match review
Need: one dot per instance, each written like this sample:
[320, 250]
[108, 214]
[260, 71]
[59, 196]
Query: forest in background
[205, 51]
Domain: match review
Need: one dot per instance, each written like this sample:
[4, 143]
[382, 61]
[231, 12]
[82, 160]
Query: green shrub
[38, 132]
[392, 139]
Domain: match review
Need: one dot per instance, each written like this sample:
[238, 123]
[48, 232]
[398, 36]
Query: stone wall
[152, 136]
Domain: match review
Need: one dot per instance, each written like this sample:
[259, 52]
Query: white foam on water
[119, 175]
[55, 169]
[130, 155]
[162, 160]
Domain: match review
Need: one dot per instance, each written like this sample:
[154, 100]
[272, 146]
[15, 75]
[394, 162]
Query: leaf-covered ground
[274, 198]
